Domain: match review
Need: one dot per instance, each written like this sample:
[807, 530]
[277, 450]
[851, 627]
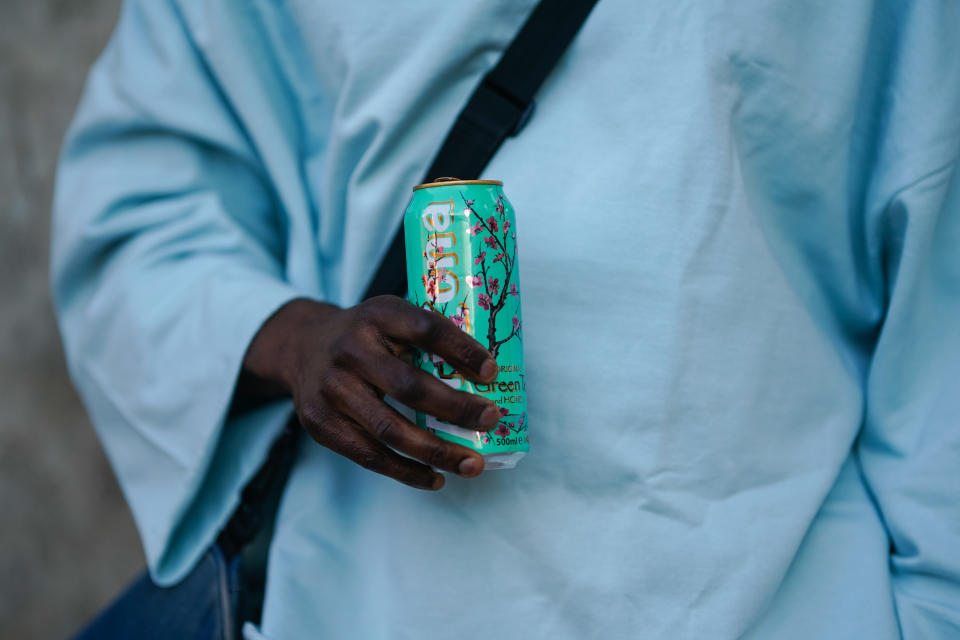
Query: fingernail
[488, 369]
[470, 467]
[438, 482]
[489, 418]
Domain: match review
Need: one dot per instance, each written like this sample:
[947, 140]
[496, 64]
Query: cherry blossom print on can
[461, 245]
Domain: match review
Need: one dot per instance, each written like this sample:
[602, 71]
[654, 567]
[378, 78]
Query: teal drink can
[461, 244]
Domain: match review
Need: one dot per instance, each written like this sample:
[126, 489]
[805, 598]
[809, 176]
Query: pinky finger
[353, 442]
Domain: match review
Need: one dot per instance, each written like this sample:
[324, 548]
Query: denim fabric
[202, 606]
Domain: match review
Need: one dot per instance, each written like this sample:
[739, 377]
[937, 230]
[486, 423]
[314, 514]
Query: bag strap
[500, 107]
[252, 514]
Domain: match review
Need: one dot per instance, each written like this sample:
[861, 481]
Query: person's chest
[668, 140]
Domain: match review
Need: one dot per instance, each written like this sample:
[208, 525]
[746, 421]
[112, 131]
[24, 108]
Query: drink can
[461, 245]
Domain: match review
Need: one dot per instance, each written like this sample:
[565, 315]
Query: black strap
[250, 516]
[500, 107]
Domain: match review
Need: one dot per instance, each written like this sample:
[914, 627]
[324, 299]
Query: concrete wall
[67, 542]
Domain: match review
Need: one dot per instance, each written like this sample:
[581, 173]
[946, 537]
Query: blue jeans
[203, 606]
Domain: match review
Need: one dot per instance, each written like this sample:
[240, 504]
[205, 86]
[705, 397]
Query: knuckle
[385, 428]
[437, 455]
[469, 410]
[372, 308]
[365, 313]
[438, 329]
[361, 454]
[425, 326]
[345, 352]
[409, 389]
[313, 413]
[333, 386]
[368, 459]
[470, 355]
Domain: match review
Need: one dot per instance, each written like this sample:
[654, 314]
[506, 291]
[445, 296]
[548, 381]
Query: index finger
[434, 333]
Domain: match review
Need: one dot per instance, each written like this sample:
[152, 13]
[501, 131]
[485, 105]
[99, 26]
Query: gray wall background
[67, 542]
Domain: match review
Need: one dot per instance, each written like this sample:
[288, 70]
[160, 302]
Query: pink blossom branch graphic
[494, 232]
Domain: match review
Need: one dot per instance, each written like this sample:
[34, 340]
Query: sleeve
[909, 447]
[167, 257]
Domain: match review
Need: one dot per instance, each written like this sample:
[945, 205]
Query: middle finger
[421, 391]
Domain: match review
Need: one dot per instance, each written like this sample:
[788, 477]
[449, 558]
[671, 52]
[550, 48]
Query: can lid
[446, 182]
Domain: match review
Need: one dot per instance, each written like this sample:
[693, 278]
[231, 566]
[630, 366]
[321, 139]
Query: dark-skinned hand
[337, 364]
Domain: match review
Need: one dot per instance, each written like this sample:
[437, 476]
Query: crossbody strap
[500, 107]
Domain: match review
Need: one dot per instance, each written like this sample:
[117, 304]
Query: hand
[338, 363]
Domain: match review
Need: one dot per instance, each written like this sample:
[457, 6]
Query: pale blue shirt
[740, 225]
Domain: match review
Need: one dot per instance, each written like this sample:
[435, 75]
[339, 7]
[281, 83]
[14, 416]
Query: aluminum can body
[461, 250]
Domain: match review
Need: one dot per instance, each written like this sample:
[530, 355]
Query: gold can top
[447, 182]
